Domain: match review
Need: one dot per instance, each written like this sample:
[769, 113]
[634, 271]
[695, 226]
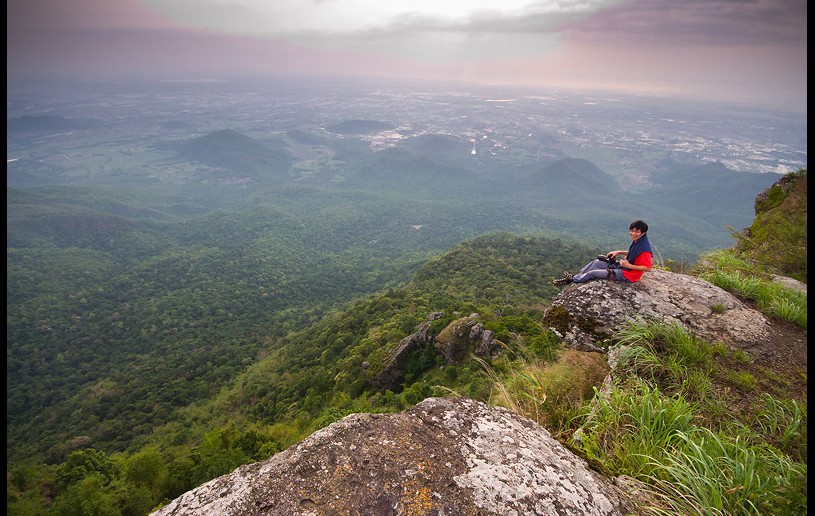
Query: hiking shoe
[565, 280]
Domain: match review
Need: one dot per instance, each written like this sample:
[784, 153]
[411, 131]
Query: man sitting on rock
[639, 259]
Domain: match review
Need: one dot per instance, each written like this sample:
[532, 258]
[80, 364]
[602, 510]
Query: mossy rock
[558, 318]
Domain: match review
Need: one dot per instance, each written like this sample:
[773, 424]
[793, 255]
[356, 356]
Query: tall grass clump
[547, 392]
[667, 355]
[790, 306]
[771, 298]
[783, 423]
[712, 473]
[690, 469]
[655, 425]
[725, 269]
[667, 338]
[727, 259]
[627, 429]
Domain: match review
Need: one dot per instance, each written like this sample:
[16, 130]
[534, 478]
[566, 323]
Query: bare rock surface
[451, 456]
[586, 313]
[790, 283]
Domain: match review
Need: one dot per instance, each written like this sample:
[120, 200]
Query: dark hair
[638, 224]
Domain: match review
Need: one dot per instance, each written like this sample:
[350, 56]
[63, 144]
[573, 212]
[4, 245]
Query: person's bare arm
[625, 263]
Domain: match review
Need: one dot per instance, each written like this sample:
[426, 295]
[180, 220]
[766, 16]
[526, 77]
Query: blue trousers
[598, 269]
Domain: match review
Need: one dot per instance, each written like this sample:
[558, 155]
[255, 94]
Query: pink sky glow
[749, 51]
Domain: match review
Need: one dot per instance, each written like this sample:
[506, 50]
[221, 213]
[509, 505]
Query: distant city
[627, 136]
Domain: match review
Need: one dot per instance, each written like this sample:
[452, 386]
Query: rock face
[394, 369]
[586, 313]
[455, 343]
[451, 456]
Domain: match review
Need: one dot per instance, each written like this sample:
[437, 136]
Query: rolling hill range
[694, 204]
[272, 266]
[396, 170]
[236, 154]
[690, 207]
[226, 269]
[709, 191]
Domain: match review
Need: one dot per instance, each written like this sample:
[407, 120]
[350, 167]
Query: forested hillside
[160, 374]
[156, 395]
[128, 304]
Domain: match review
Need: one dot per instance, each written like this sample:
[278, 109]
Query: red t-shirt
[645, 259]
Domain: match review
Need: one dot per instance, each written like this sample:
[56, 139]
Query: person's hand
[624, 262]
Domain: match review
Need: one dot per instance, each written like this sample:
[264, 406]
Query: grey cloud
[700, 21]
[480, 25]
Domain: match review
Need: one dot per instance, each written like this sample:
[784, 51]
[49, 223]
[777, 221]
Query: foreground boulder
[451, 456]
[585, 314]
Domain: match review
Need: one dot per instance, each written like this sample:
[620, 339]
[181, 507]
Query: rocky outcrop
[455, 342]
[451, 456]
[393, 369]
[586, 314]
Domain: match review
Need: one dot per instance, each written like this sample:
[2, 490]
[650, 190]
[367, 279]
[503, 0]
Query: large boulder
[586, 314]
[452, 456]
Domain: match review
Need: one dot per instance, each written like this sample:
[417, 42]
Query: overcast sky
[740, 50]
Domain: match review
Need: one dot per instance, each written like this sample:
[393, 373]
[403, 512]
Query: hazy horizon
[717, 50]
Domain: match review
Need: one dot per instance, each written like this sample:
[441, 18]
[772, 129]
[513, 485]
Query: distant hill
[710, 190]
[574, 188]
[237, 154]
[350, 127]
[404, 172]
[572, 176]
[45, 123]
[437, 146]
[570, 183]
